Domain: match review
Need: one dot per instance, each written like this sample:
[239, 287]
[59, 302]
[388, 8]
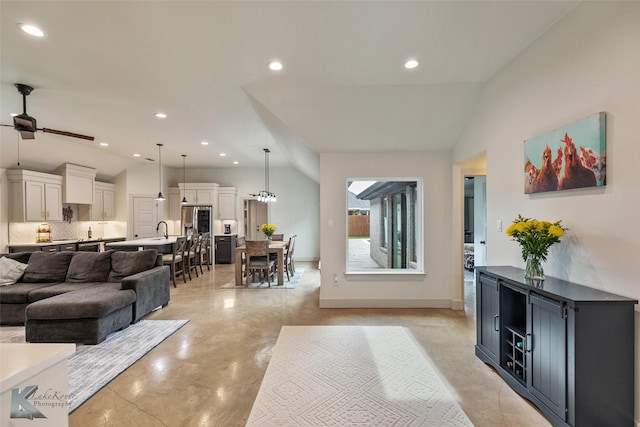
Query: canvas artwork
[573, 156]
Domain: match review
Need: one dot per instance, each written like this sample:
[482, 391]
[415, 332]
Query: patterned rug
[288, 284]
[352, 376]
[94, 366]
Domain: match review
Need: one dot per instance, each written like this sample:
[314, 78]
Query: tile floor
[208, 373]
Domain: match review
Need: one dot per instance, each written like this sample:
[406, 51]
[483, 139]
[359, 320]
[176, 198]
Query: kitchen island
[64, 245]
[164, 245]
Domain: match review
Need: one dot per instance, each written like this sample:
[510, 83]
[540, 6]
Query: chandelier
[265, 195]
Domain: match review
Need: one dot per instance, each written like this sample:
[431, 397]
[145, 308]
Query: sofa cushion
[19, 293]
[48, 267]
[92, 303]
[124, 263]
[59, 288]
[89, 267]
[10, 271]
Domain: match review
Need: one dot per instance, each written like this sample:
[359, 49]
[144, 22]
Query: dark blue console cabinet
[567, 348]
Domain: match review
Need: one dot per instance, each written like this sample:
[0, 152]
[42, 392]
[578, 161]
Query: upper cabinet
[200, 193]
[34, 196]
[227, 199]
[103, 207]
[77, 184]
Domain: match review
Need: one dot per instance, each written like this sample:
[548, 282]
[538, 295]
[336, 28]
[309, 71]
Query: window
[389, 238]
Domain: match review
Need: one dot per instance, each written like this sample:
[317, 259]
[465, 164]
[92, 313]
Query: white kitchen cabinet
[200, 193]
[103, 207]
[227, 199]
[77, 183]
[34, 196]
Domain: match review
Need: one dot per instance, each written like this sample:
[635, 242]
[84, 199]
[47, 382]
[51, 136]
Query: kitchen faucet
[166, 228]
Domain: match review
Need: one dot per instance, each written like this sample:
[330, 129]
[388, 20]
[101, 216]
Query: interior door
[480, 220]
[145, 217]
[256, 214]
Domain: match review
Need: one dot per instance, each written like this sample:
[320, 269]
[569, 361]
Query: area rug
[352, 376]
[288, 284]
[94, 366]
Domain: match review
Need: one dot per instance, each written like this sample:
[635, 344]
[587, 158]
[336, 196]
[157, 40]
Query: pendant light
[184, 180]
[160, 196]
[265, 195]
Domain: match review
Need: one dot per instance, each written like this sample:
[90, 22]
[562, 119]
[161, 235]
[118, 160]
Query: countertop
[66, 241]
[151, 241]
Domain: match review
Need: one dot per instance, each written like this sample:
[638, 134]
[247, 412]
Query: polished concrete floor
[208, 373]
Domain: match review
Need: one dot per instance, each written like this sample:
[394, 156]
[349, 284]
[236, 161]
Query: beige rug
[352, 376]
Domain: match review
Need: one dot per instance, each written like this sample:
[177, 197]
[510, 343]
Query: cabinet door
[109, 205]
[191, 195]
[547, 346]
[97, 208]
[227, 203]
[35, 201]
[205, 197]
[53, 202]
[488, 317]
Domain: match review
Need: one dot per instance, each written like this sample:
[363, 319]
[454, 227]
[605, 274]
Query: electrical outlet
[335, 280]
[499, 225]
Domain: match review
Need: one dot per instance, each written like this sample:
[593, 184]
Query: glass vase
[533, 268]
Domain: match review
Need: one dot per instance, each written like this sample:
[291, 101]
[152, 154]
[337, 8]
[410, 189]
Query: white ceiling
[105, 67]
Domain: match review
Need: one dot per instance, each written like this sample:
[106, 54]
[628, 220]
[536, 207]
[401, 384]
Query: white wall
[4, 212]
[588, 62]
[435, 289]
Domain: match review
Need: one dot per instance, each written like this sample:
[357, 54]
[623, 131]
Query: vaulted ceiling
[104, 68]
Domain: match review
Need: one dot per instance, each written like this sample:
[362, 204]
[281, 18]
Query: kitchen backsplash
[25, 232]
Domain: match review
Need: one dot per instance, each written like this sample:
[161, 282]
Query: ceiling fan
[26, 124]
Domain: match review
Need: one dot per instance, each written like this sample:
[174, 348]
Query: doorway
[255, 214]
[145, 217]
[471, 213]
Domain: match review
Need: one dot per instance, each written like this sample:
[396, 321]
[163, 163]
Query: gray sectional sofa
[83, 296]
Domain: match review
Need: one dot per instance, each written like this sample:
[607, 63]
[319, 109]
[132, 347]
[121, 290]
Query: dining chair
[175, 260]
[289, 266]
[277, 237]
[258, 259]
[202, 251]
[189, 255]
[241, 241]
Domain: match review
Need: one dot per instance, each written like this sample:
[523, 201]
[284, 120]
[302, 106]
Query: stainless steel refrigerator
[198, 219]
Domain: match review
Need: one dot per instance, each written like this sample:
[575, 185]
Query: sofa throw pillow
[89, 267]
[124, 263]
[10, 271]
[47, 267]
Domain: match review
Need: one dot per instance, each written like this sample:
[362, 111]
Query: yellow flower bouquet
[268, 229]
[535, 238]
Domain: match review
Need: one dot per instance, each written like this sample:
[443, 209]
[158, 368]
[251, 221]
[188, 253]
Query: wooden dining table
[275, 247]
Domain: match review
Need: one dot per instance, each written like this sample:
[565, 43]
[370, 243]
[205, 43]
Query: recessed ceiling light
[410, 64]
[161, 115]
[104, 144]
[275, 65]
[204, 143]
[236, 163]
[136, 155]
[222, 154]
[31, 30]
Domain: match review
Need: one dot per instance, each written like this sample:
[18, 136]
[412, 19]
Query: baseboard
[384, 303]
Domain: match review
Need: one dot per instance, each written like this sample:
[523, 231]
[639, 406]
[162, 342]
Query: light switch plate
[499, 225]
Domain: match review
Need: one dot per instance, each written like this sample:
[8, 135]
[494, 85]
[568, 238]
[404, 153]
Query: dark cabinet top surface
[555, 288]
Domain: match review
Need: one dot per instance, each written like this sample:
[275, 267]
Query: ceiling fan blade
[25, 134]
[64, 133]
